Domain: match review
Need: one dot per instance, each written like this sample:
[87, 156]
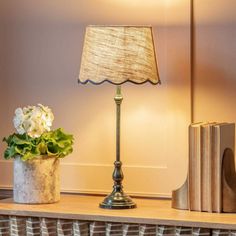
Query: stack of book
[208, 142]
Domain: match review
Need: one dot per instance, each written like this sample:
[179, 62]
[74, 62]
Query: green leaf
[42, 147]
[10, 152]
[54, 143]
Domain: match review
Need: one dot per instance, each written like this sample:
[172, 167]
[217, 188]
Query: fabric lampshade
[118, 54]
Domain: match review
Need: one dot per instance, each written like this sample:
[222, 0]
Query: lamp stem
[118, 199]
[118, 99]
[118, 175]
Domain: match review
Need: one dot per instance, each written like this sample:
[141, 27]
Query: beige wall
[41, 62]
[1, 64]
[3, 77]
[40, 47]
[215, 61]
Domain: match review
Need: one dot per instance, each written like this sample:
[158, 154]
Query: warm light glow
[100, 11]
[150, 11]
[153, 3]
[137, 3]
[174, 2]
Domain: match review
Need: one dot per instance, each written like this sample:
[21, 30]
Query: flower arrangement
[34, 136]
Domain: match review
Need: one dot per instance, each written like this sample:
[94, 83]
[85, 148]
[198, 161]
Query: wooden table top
[147, 212]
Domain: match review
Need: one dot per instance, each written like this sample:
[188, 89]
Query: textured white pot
[37, 181]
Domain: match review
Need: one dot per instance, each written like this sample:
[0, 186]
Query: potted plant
[36, 150]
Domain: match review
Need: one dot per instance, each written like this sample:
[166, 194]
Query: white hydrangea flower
[19, 117]
[33, 120]
[18, 120]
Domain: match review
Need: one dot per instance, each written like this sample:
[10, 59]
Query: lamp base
[117, 200]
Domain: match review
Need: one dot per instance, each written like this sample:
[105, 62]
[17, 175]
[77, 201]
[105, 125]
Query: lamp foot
[117, 200]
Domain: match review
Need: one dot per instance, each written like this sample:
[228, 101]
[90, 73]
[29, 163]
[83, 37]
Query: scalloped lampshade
[118, 54]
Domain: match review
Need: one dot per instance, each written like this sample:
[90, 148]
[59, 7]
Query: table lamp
[118, 54]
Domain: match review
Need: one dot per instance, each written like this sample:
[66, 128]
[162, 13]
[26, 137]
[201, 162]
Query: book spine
[206, 139]
[204, 168]
[195, 168]
[209, 170]
[216, 172]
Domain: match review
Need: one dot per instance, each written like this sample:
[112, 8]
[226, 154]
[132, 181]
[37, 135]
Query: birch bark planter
[37, 181]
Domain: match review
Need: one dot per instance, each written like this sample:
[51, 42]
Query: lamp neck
[118, 99]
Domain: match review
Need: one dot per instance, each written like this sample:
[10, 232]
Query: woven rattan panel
[20, 226]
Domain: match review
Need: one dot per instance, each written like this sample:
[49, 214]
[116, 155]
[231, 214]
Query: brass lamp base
[117, 200]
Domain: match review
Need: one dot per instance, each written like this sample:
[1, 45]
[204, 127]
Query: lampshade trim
[111, 82]
[127, 26]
